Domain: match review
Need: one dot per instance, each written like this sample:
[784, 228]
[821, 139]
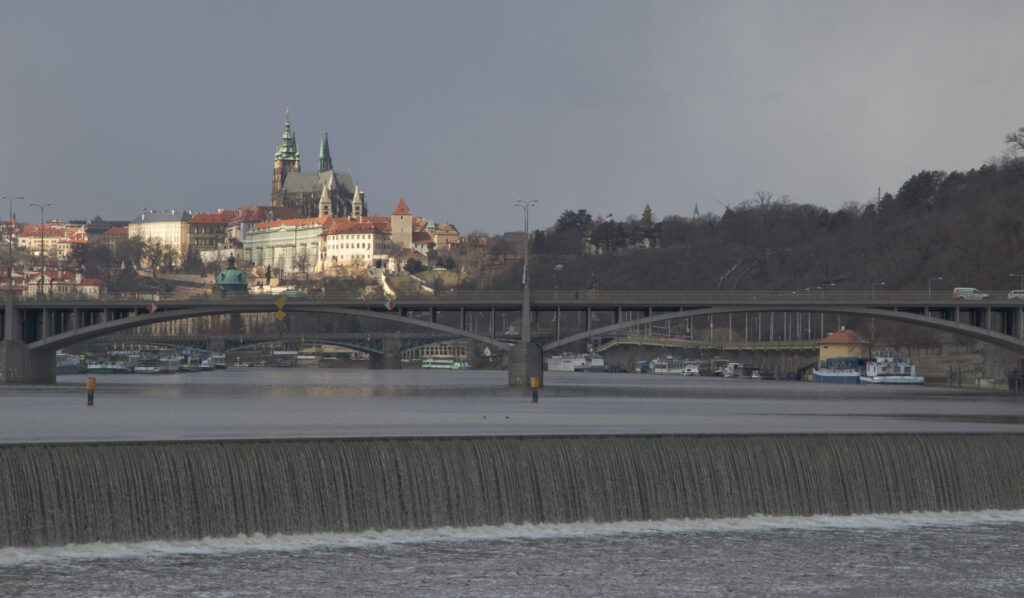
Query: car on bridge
[969, 293]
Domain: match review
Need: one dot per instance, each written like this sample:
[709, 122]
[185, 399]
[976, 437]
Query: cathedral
[313, 194]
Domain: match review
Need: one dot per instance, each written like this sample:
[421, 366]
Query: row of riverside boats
[674, 366]
[885, 367]
[144, 362]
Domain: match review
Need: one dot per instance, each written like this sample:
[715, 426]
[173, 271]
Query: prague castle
[313, 193]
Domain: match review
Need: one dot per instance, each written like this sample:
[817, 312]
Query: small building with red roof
[844, 343]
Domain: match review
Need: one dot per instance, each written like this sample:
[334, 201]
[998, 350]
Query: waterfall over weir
[118, 492]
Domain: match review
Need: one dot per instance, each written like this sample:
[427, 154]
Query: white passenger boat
[574, 362]
[887, 367]
[838, 369]
[668, 365]
[444, 363]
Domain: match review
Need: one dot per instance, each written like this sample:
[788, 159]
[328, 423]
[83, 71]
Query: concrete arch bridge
[34, 330]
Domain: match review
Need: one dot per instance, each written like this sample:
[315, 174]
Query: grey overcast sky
[463, 107]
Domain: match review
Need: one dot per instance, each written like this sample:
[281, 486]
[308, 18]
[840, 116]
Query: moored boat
[68, 364]
[444, 363]
[106, 368]
[838, 369]
[888, 367]
[667, 365]
[573, 362]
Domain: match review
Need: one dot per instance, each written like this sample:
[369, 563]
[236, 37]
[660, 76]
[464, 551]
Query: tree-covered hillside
[963, 226]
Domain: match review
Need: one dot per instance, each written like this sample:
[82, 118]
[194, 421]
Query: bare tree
[1015, 139]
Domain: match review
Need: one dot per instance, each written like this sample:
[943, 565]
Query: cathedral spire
[325, 155]
[288, 150]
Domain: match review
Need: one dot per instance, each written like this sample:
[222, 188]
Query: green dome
[232, 280]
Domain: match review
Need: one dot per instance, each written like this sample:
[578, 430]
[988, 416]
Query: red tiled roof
[843, 337]
[401, 209]
[343, 226]
[222, 217]
[419, 237]
[117, 231]
[255, 213]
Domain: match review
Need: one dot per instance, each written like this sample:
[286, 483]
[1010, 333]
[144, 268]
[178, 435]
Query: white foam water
[242, 543]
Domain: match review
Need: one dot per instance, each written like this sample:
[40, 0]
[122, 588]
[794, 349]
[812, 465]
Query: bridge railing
[569, 297]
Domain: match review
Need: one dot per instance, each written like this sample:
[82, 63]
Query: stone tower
[324, 207]
[401, 225]
[358, 203]
[286, 160]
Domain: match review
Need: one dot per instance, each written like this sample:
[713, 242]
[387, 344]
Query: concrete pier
[525, 361]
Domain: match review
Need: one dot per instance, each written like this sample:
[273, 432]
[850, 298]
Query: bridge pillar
[391, 359]
[525, 361]
[19, 365]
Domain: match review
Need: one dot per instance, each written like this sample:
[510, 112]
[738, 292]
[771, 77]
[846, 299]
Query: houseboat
[838, 369]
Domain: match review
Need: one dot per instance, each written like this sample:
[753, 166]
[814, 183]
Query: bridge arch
[995, 338]
[85, 333]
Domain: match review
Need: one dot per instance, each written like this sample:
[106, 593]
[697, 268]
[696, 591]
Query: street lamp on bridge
[42, 242]
[10, 241]
[1021, 277]
[524, 331]
[873, 285]
[938, 278]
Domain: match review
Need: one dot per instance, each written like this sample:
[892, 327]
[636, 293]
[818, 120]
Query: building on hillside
[289, 246]
[97, 226]
[446, 236]
[113, 237]
[209, 231]
[57, 239]
[401, 225]
[354, 244]
[422, 242]
[843, 344]
[168, 227]
[245, 217]
[61, 283]
[301, 191]
[64, 245]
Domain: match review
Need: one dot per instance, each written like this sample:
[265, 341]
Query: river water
[910, 554]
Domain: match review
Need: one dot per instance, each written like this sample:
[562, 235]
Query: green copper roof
[325, 155]
[288, 151]
[232, 279]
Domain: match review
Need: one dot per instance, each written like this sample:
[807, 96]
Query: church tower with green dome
[302, 191]
[285, 160]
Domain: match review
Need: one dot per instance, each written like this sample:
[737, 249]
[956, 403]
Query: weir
[53, 494]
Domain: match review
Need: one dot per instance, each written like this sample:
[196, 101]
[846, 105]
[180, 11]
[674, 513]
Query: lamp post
[940, 278]
[873, 285]
[822, 289]
[10, 241]
[524, 330]
[554, 276]
[42, 242]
